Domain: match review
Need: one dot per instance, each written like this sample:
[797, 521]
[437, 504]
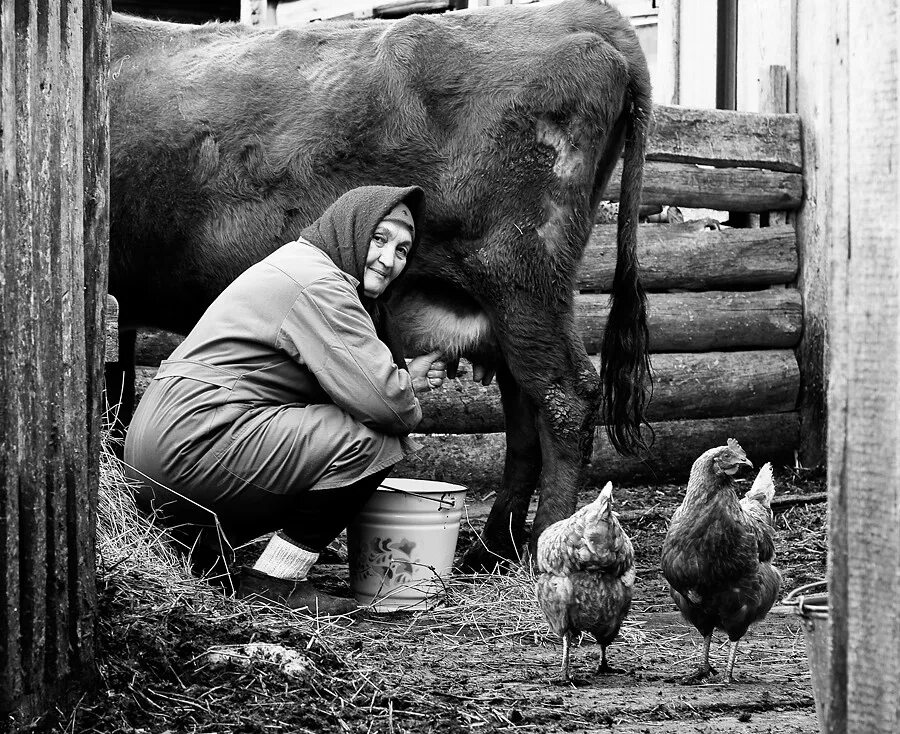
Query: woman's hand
[427, 371]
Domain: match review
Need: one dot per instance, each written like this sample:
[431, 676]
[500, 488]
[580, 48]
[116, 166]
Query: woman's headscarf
[344, 232]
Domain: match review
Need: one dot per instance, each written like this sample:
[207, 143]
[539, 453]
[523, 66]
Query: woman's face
[386, 259]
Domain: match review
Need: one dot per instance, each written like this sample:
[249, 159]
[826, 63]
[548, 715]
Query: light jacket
[282, 384]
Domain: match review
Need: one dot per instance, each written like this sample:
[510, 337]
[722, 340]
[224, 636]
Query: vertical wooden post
[773, 97]
[667, 84]
[697, 66]
[764, 39]
[51, 51]
[864, 351]
[258, 12]
[814, 45]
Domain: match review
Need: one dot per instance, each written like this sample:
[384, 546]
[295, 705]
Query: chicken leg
[732, 656]
[705, 670]
[605, 668]
[566, 642]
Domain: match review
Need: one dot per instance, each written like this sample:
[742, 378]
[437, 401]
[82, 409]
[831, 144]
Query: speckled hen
[718, 552]
[586, 575]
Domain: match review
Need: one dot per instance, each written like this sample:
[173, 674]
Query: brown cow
[226, 141]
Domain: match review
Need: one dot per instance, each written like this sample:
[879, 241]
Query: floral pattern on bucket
[387, 559]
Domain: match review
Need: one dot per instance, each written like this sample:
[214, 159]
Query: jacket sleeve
[329, 331]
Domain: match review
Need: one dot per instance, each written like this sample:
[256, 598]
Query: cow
[226, 141]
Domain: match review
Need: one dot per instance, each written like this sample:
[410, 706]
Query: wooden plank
[10, 186]
[726, 138]
[258, 12]
[703, 322]
[694, 256]
[26, 380]
[773, 97]
[398, 8]
[764, 39]
[697, 66]
[476, 460]
[666, 84]
[46, 623]
[95, 185]
[867, 406]
[727, 189]
[815, 42]
[710, 384]
[61, 280]
[822, 98]
[679, 322]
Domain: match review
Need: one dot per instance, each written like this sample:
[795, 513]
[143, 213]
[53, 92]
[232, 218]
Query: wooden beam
[727, 189]
[726, 138]
[679, 322]
[702, 322]
[705, 385]
[694, 256]
[476, 460]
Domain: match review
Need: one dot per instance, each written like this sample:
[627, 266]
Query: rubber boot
[292, 594]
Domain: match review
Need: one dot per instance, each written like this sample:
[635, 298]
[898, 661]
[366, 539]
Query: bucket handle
[440, 500]
[798, 597]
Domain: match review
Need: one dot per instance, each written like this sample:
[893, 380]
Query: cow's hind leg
[504, 532]
[566, 424]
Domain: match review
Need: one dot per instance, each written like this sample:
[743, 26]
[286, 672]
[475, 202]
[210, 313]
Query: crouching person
[283, 409]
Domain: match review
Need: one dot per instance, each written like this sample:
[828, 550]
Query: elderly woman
[283, 409]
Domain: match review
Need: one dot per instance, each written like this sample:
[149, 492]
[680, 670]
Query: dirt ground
[427, 673]
[514, 675]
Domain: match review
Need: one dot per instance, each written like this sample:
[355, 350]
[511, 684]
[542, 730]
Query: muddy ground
[408, 673]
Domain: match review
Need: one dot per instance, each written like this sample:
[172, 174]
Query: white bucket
[403, 542]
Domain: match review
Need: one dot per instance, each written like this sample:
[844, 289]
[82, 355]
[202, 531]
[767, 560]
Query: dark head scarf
[344, 232]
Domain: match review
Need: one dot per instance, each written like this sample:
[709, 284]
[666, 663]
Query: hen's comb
[734, 445]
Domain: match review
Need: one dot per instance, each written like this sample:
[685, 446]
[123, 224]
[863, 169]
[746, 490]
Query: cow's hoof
[480, 559]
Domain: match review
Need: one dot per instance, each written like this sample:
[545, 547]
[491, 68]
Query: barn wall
[53, 213]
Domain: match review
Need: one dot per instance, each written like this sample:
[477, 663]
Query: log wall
[53, 264]
[724, 316]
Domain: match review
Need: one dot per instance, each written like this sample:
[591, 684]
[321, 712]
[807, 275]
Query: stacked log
[723, 317]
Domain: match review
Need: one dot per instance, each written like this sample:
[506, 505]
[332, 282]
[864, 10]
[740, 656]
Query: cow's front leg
[566, 423]
[120, 390]
[504, 531]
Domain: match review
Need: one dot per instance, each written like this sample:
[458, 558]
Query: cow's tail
[625, 360]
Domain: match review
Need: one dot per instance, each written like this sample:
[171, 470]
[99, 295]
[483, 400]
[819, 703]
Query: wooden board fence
[476, 460]
[53, 262]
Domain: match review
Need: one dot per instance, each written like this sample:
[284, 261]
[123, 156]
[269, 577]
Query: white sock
[284, 560]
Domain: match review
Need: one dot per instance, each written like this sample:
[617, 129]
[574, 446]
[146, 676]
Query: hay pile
[174, 653]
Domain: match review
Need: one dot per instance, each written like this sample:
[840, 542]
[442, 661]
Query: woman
[282, 409]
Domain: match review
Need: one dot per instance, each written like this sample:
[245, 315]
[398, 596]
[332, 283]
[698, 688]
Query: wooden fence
[724, 318]
[53, 263]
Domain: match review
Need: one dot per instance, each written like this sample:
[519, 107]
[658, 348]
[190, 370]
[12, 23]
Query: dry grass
[157, 623]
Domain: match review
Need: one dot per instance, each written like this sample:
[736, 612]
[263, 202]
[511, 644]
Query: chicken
[718, 552]
[586, 575]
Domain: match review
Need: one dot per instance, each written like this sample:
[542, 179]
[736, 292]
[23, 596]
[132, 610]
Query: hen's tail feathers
[763, 488]
[603, 503]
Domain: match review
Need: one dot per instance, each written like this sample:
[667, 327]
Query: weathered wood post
[53, 262]
[862, 120]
